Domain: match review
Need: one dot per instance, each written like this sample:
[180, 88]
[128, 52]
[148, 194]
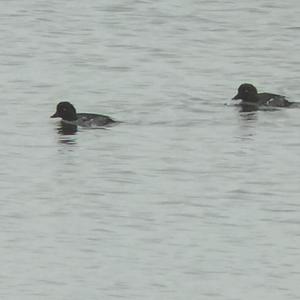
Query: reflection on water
[66, 139]
[67, 133]
[248, 116]
[66, 129]
[246, 108]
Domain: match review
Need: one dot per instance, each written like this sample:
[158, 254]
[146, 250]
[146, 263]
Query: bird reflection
[67, 133]
[66, 129]
[248, 115]
[247, 108]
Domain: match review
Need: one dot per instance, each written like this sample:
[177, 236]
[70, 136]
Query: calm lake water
[188, 198]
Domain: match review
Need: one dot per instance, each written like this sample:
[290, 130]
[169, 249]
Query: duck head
[246, 92]
[66, 111]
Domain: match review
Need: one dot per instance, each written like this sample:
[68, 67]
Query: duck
[249, 96]
[67, 112]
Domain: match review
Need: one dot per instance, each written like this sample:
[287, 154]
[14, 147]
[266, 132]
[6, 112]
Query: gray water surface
[188, 198]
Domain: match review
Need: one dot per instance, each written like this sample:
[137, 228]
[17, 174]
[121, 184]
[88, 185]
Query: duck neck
[70, 116]
[252, 98]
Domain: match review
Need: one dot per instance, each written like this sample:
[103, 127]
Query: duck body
[67, 112]
[249, 96]
[90, 120]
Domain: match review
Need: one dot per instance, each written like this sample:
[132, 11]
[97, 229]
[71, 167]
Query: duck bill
[236, 97]
[55, 115]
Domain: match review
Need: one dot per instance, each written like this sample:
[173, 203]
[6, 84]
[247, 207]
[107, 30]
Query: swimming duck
[67, 112]
[249, 96]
